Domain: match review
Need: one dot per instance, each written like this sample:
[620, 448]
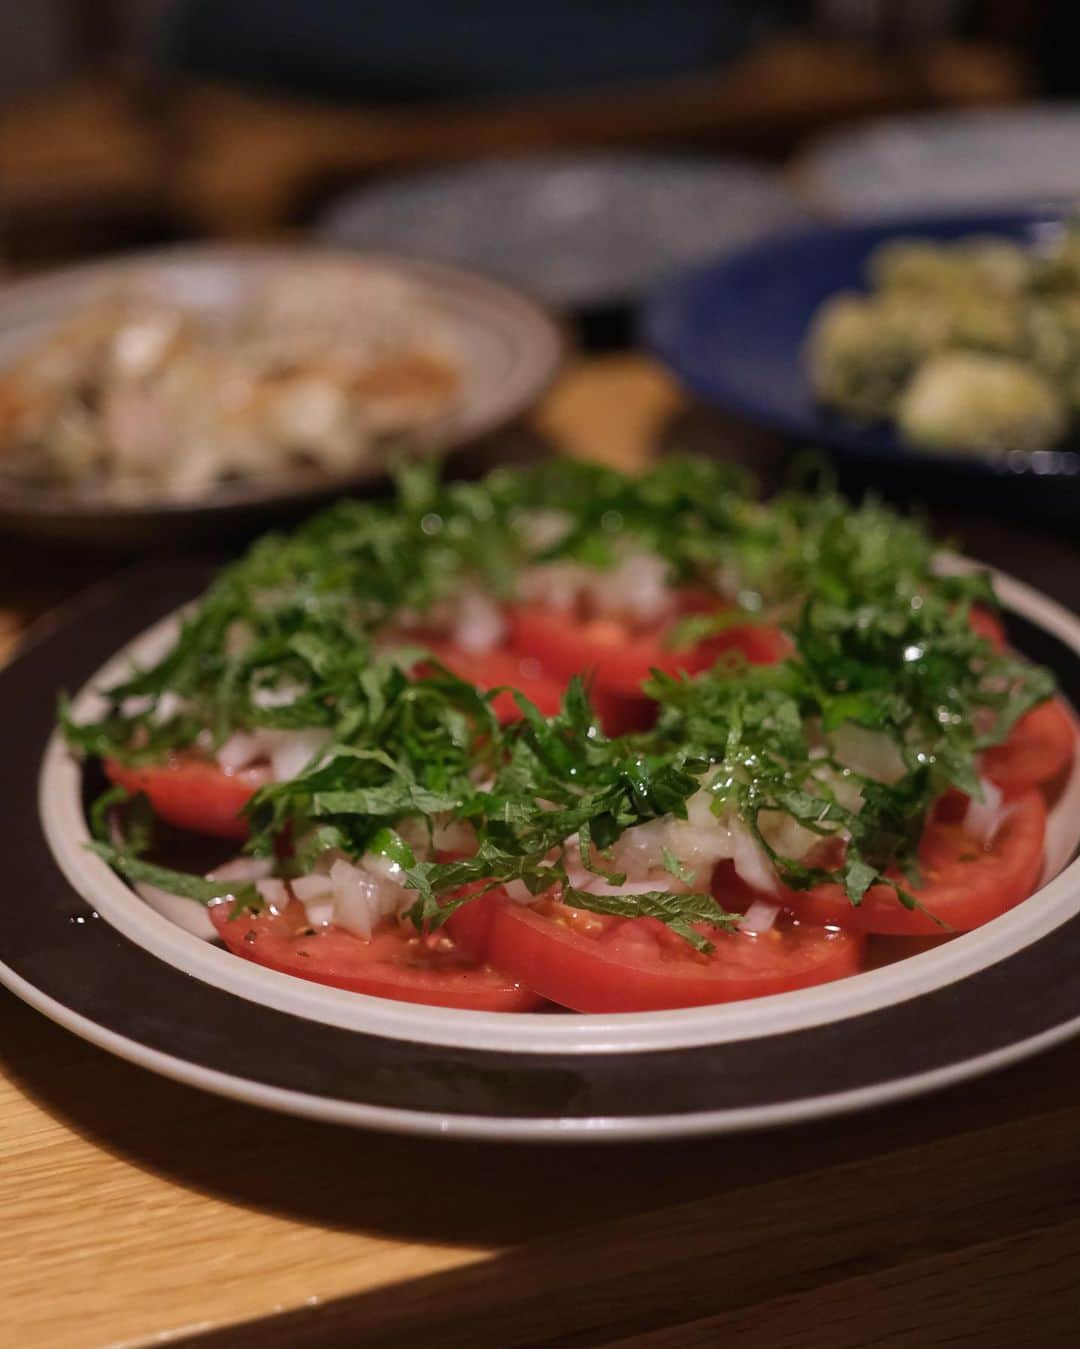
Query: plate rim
[519, 1129]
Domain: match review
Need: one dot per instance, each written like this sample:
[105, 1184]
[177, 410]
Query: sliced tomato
[1039, 747]
[599, 963]
[987, 624]
[470, 925]
[964, 884]
[193, 793]
[396, 963]
[619, 657]
[489, 669]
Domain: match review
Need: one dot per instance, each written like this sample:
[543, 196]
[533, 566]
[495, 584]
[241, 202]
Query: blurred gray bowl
[579, 231]
[947, 161]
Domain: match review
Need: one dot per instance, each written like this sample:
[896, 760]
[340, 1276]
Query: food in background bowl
[138, 397]
[997, 403]
[970, 347]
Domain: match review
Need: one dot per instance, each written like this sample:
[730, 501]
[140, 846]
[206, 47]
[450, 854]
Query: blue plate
[734, 330]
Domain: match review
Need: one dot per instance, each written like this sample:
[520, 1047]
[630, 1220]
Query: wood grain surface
[137, 1211]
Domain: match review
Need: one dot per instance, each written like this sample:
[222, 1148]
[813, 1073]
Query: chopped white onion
[356, 898]
[274, 893]
[162, 709]
[241, 749]
[186, 913]
[320, 912]
[760, 916]
[294, 751]
[785, 835]
[316, 893]
[873, 754]
[544, 528]
[984, 818]
[751, 864]
[363, 895]
[479, 624]
[554, 584]
[384, 867]
[313, 887]
[282, 694]
[288, 752]
[638, 587]
[243, 869]
[697, 843]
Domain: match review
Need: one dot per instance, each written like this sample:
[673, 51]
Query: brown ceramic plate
[80, 946]
[509, 347]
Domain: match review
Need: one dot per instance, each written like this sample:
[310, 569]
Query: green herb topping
[885, 701]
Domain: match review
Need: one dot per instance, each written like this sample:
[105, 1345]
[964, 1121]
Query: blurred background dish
[734, 331]
[148, 393]
[965, 346]
[971, 159]
[579, 230]
[203, 387]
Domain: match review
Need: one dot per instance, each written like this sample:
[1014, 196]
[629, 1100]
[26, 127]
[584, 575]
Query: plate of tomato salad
[562, 803]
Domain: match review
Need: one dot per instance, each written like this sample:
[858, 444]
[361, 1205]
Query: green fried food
[970, 346]
[981, 403]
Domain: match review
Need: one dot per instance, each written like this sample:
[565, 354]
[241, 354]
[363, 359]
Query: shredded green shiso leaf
[879, 641]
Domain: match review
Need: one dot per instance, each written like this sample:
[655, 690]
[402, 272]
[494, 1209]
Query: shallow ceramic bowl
[510, 350]
[81, 946]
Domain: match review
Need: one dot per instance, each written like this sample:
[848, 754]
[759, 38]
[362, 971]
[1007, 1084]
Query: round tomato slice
[470, 925]
[397, 962]
[1038, 748]
[619, 657]
[598, 963]
[193, 793]
[489, 669]
[987, 624]
[964, 884]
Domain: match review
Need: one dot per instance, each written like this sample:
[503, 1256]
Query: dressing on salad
[753, 732]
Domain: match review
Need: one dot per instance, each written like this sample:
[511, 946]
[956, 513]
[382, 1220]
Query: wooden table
[137, 1211]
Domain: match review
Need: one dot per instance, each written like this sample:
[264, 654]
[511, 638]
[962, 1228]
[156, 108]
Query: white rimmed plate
[80, 946]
